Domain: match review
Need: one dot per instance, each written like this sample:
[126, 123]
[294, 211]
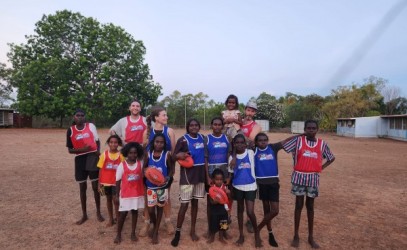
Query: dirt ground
[362, 203]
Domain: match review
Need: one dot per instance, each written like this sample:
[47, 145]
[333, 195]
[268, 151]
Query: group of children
[227, 158]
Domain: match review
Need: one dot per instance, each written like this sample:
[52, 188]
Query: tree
[74, 61]
[5, 88]
[269, 109]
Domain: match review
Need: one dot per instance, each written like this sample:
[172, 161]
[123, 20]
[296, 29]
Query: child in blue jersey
[267, 178]
[157, 197]
[244, 186]
[218, 147]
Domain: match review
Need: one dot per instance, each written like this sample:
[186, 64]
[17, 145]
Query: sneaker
[144, 230]
[169, 227]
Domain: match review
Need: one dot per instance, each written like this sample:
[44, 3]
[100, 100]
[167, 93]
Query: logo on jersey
[111, 166]
[219, 144]
[264, 157]
[244, 165]
[198, 145]
[82, 136]
[159, 168]
[136, 128]
[310, 154]
[133, 177]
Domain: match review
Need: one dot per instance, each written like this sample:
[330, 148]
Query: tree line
[74, 61]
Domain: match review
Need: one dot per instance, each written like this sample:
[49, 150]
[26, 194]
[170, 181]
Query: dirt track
[362, 203]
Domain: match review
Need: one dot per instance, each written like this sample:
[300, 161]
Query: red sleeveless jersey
[135, 130]
[309, 159]
[132, 182]
[108, 171]
[82, 138]
[247, 129]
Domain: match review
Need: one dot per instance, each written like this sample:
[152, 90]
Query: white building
[391, 126]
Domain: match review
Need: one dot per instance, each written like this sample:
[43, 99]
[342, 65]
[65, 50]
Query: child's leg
[222, 236]
[122, 217]
[240, 211]
[157, 224]
[95, 187]
[152, 216]
[252, 217]
[146, 225]
[309, 203]
[134, 215]
[180, 220]
[208, 214]
[267, 215]
[109, 203]
[194, 215]
[299, 204]
[82, 194]
[167, 214]
[116, 205]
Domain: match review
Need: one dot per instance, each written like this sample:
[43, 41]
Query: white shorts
[189, 192]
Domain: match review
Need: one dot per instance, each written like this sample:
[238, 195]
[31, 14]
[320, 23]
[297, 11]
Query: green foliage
[74, 61]
[5, 87]
[268, 108]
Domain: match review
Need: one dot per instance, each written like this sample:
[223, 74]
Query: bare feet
[206, 235]
[194, 237]
[118, 239]
[295, 242]
[257, 240]
[240, 241]
[211, 238]
[312, 243]
[82, 220]
[223, 241]
[100, 217]
[133, 237]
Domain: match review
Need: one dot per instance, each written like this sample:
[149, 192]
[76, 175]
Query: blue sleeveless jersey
[218, 148]
[242, 173]
[166, 135]
[196, 148]
[160, 164]
[265, 163]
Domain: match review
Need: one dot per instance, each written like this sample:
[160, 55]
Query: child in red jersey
[108, 163]
[82, 139]
[308, 153]
[130, 187]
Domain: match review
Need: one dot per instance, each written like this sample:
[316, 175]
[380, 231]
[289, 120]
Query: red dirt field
[362, 203]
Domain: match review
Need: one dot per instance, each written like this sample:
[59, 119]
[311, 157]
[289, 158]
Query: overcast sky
[245, 47]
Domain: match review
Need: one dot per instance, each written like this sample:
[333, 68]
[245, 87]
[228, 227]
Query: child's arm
[171, 133]
[327, 163]
[239, 119]
[171, 165]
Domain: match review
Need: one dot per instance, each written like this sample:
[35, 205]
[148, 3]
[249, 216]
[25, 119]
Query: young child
[130, 188]
[192, 180]
[266, 170]
[108, 163]
[219, 212]
[232, 117]
[308, 154]
[244, 186]
[157, 197]
[218, 147]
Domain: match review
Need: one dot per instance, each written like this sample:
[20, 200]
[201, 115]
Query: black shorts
[110, 190]
[218, 221]
[81, 174]
[269, 192]
[239, 195]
